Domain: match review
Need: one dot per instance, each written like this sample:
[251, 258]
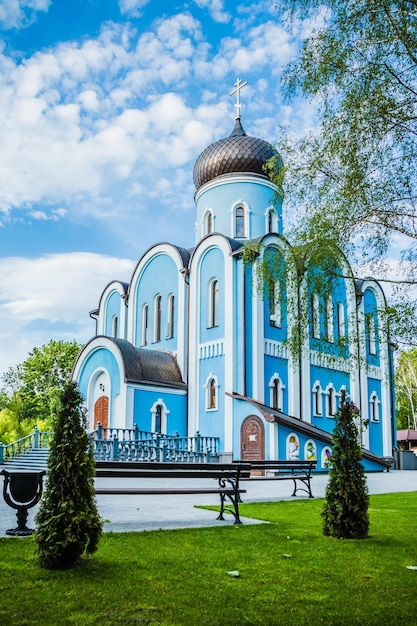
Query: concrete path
[135, 513]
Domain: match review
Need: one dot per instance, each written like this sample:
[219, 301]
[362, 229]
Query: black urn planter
[21, 491]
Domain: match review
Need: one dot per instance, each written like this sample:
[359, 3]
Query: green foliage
[345, 512]
[355, 176]
[406, 390]
[68, 524]
[31, 390]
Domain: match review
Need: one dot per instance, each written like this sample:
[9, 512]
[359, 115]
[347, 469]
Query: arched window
[145, 322]
[240, 222]
[213, 299]
[317, 403]
[211, 387]
[114, 326]
[315, 316]
[158, 419]
[276, 393]
[374, 407]
[331, 401]
[159, 413]
[329, 318]
[371, 334]
[170, 316]
[275, 303]
[208, 223]
[157, 318]
[272, 221]
[341, 331]
[293, 447]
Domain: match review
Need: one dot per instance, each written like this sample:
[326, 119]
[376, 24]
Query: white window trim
[331, 394]
[275, 318]
[374, 404]
[371, 334]
[280, 391]
[145, 325]
[341, 325]
[208, 213]
[317, 392]
[164, 414]
[157, 321]
[213, 304]
[315, 316]
[329, 318]
[240, 205]
[207, 386]
[271, 211]
[170, 316]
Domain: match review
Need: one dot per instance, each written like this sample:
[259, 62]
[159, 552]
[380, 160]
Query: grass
[289, 573]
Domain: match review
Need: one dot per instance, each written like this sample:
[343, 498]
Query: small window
[240, 222]
[272, 221]
[371, 334]
[145, 315]
[329, 319]
[208, 223]
[157, 318]
[276, 393]
[331, 402]
[315, 316]
[213, 303]
[275, 303]
[114, 326]
[170, 316]
[158, 419]
[317, 400]
[374, 408]
[341, 331]
[211, 387]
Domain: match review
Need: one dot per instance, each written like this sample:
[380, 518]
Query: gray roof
[238, 153]
[143, 365]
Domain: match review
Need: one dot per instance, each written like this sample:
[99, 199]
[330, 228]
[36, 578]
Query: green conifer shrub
[345, 511]
[68, 523]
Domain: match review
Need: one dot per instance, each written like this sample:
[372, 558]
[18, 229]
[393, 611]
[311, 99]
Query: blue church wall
[326, 377]
[100, 360]
[113, 309]
[275, 313]
[276, 365]
[248, 329]
[222, 198]
[176, 404]
[160, 277]
[375, 425]
[240, 338]
[371, 328]
[212, 267]
[212, 419]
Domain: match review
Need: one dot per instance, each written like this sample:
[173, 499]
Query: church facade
[192, 344]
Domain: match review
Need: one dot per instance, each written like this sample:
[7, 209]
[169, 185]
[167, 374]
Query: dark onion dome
[237, 153]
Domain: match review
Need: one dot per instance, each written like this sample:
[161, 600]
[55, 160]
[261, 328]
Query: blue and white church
[191, 344]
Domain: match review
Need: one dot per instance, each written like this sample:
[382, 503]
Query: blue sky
[104, 107]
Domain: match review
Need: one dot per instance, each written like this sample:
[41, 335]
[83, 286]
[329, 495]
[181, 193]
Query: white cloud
[132, 7]
[49, 297]
[20, 13]
[215, 9]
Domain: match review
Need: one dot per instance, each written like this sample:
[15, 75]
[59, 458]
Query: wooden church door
[101, 412]
[252, 439]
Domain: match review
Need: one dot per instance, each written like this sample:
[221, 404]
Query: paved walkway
[135, 513]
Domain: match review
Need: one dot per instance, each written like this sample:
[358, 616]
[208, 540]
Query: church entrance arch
[101, 412]
[252, 439]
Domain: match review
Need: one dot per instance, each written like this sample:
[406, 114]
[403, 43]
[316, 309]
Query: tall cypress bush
[345, 511]
[68, 523]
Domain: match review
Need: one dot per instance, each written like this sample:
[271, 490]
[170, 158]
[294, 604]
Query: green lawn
[289, 573]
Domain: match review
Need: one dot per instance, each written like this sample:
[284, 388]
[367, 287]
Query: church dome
[237, 153]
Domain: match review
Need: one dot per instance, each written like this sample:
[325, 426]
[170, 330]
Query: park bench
[228, 477]
[297, 471]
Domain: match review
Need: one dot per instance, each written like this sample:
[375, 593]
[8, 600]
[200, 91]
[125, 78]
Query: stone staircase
[34, 460]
